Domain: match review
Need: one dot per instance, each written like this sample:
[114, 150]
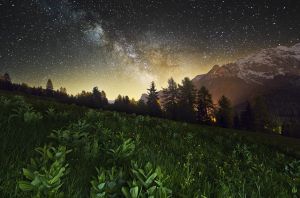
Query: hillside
[194, 160]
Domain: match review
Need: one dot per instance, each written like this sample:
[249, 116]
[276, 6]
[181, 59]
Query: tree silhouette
[5, 82]
[124, 104]
[97, 98]
[141, 107]
[224, 113]
[170, 96]
[49, 85]
[118, 103]
[205, 107]
[186, 100]
[104, 99]
[6, 78]
[152, 102]
[85, 98]
[63, 90]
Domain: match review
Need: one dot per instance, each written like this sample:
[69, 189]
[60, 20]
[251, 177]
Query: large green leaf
[150, 180]
[151, 190]
[58, 176]
[134, 192]
[125, 192]
[101, 186]
[25, 186]
[28, 174]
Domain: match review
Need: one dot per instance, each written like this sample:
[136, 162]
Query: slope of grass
[194, 161]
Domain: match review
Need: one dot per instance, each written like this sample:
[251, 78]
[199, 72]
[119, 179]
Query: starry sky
[122, 45]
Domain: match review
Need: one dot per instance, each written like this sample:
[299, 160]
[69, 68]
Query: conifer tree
[63, 90]
[205, 107]
[170, 97]
[49, 85]
[104, 98]
[224, 113]
[97, 98]
[152, 102]
[7, 78]
[186, 100]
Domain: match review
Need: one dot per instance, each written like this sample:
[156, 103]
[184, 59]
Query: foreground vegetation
[55, 150]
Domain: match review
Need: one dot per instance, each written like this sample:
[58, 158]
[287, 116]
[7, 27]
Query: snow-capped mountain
[255, 74]
[264, 65]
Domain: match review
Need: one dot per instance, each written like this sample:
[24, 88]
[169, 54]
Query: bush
[44, 174]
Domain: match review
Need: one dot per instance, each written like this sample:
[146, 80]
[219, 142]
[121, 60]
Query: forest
[180, 102]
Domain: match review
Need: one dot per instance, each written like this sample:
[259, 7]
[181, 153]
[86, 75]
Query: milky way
[122, 45]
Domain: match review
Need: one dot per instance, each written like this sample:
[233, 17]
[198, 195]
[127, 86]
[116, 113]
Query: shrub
[133, 183]
[24, 112]
[79, 137]
[146, 182]
[122, 153]
[108, 183]
[44, 174]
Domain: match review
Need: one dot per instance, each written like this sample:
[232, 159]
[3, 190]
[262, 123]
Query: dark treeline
[94, 99]
[180, 102]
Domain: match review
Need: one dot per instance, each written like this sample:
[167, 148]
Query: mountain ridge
[255, 74]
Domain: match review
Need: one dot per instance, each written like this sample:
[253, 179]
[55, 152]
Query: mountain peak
[263, 65]
[252, 73]
[215, 67]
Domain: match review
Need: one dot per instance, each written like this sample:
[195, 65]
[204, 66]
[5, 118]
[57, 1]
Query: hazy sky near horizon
[122, 45]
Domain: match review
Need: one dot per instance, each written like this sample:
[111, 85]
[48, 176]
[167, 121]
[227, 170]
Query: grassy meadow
[48, 149]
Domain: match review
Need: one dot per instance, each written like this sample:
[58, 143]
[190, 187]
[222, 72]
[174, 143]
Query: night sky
[122, 45]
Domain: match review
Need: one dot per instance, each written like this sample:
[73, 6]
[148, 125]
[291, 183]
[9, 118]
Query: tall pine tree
[104, 98]
[7, 78]
[224, 113]
[186, 100]
[49, 85]
[152, 102]
[97, 98]
[170, 96]
[205, 107]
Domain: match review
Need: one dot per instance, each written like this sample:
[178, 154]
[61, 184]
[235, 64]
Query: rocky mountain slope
[256, 74]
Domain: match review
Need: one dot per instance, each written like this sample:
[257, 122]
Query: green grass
[196, 161]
